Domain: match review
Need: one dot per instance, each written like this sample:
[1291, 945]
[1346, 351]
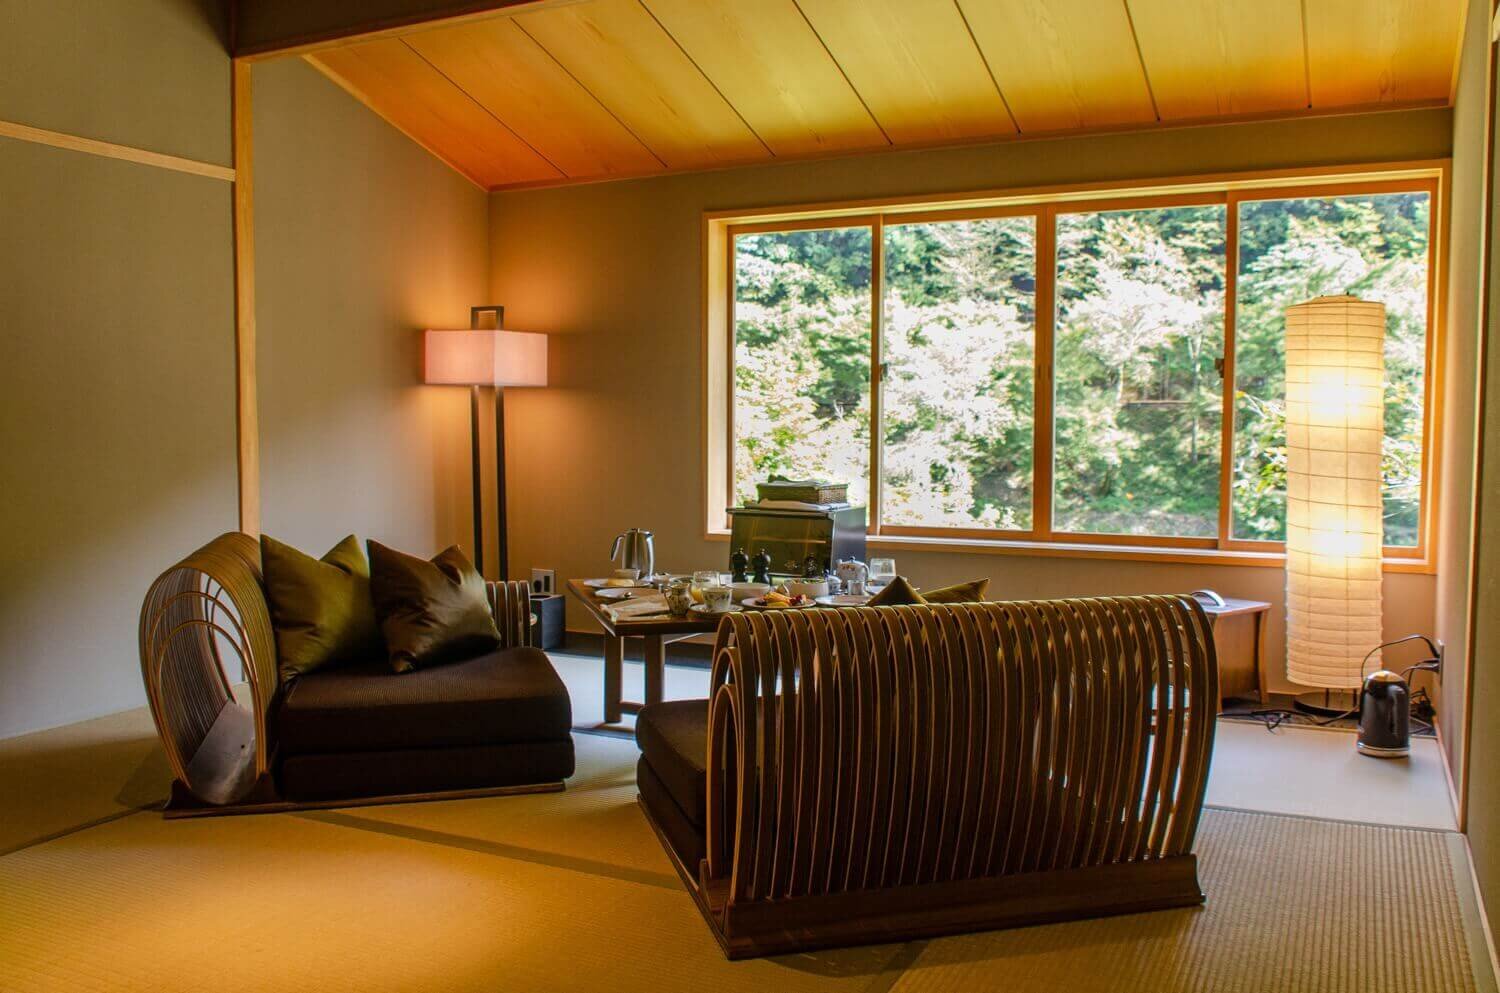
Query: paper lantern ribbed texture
[1335, 421]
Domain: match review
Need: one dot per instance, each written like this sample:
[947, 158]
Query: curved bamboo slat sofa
[209, 612]
[880, 774]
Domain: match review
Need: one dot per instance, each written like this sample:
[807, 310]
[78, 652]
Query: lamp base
[1328, 702]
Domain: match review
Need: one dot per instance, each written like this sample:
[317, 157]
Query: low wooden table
[656, 633]
[1239, 629]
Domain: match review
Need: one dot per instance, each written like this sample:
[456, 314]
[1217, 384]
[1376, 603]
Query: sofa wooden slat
[876, 773]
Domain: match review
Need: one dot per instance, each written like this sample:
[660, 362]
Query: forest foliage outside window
[1376, 247]
[802, 358]
[1140, 323]
[1137, 334]
[958, 359]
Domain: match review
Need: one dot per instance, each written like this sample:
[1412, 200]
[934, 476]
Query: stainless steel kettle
[635, 549]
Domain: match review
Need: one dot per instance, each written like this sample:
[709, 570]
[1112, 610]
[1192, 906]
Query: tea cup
[717, 598]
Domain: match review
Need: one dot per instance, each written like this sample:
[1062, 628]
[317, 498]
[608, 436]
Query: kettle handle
[614, 551]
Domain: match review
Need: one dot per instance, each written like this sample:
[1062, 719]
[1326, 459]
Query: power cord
[1273, 719]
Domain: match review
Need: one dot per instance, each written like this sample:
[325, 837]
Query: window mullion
[877, 300]
[1046, 313]
[1227, 380]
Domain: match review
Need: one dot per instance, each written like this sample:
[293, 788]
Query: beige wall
[117, 296]
[362, 240]
[116, 311]
[151, 74]
[614, 272]
[1483, 800]
[1460, 362]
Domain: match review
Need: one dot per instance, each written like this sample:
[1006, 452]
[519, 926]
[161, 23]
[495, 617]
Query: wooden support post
[247, 416]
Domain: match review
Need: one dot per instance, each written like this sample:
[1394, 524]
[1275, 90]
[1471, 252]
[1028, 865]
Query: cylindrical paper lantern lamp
[1335, 422]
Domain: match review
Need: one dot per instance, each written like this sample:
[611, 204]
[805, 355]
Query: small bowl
[810, 588]
[627, 574]
[740, 592]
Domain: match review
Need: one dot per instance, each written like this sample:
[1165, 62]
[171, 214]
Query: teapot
[635, 549]
[853, 574]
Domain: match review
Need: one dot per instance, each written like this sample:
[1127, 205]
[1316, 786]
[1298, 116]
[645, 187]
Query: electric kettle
[1385, 716]
[635, 549]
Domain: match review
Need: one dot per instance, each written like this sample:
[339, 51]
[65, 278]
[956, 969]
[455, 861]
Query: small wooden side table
[655, 634]
[1239, 629]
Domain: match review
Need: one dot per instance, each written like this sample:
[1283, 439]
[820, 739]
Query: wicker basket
[807, 491]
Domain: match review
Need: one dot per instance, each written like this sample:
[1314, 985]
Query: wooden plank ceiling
[598, 89]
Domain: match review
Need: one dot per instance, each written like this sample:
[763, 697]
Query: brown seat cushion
[673, 738]
[686, 838]
[328, 776]
[505, 696]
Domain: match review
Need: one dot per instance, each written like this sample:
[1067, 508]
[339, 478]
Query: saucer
[844, 600]
[702, 608]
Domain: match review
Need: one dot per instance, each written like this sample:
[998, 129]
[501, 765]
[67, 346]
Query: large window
[1140, 323]
[802, 357]
[1104, 371]
[957, 354]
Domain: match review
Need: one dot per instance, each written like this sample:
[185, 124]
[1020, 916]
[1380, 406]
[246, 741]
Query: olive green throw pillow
[971, 592]
[898, 591]
[430, 612]
[320, 608]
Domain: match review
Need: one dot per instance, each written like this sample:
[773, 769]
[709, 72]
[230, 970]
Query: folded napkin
[644, 603]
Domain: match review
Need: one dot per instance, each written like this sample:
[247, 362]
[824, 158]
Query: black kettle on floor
[1385, 716]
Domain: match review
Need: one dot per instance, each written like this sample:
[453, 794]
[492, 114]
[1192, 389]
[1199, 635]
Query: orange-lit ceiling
[599, 89]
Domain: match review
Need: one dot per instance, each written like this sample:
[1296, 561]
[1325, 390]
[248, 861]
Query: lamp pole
[477, 323]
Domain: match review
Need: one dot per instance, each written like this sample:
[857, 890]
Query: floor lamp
[1335, 423]
[479, 358]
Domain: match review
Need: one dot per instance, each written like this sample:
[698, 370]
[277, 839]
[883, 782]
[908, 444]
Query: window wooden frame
[722, 228]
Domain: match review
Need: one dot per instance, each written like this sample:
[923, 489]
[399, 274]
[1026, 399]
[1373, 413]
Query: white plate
[615, 593]
[702, 608]
[599, 584]
[749, 604]
[844, 600]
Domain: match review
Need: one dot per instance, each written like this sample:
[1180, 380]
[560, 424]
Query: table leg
[1260, 656]
[614, 664]
[656, 667]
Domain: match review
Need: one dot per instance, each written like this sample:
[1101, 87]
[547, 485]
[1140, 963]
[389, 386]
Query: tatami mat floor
[571, 891]
[1311, 772]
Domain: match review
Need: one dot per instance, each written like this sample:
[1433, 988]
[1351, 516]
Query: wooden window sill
[1079, 550]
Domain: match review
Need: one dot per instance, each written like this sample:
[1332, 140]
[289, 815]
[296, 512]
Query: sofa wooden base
[262, 799]
[872, 917]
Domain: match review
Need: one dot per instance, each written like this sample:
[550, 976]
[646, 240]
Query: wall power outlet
[543, 581]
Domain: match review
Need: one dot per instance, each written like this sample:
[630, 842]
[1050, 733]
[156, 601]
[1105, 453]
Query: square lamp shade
[1335, 422]
[484, 358]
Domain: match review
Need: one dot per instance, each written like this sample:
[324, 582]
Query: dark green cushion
[971, 592]
[430, 611]
[899, 591]
[320, 608]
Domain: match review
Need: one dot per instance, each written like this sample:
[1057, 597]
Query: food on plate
[618, 581]
[777, 599]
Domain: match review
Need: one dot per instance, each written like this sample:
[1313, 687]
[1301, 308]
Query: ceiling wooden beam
[270, 28]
